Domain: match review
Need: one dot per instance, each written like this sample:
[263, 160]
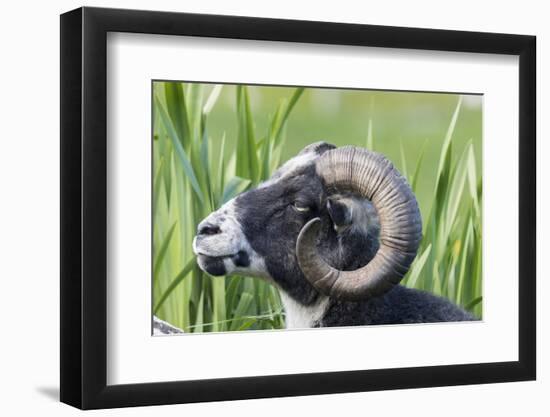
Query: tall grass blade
[184, 159]
[235, 186]
[370, 139]
[244, 305]
[157, 184]
[455, 192]
[416, 173]
[175, 104]
[247, 161]
[221, 171]
[417, 267]
[175, 282]
[212, 99]
[199, 320]
[159, 256]
[194, 106]
[472, 179]
[470, 306]
[443, 161]
[205, 161]
[404, 170]
[288, 109]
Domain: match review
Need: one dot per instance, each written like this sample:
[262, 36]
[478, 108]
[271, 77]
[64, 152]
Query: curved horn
[372, 176]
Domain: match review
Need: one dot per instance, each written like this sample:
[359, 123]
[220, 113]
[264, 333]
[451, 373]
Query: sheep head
[335, 221]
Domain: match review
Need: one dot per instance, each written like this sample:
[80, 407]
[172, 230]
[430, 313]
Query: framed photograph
[256, 208]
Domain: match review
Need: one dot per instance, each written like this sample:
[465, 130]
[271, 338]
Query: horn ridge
[372, 176]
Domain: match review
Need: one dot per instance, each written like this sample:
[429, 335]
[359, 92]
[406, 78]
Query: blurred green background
[341, 117]
[212, 142]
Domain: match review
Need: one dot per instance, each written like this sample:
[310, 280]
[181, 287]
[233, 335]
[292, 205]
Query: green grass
[213, 142]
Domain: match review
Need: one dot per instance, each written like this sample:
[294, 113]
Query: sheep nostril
[209, 229]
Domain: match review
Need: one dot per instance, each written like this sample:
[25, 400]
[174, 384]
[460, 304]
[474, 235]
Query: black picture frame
[84, 207]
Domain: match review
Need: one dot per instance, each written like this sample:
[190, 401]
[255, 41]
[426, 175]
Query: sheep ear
[340, 213]
[318, 147]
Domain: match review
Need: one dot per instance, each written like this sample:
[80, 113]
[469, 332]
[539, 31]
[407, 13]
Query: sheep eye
[300, 207]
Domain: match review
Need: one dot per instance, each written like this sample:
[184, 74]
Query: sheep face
[255, 233]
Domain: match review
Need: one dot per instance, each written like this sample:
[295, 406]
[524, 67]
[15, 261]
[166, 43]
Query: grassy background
[212, 142]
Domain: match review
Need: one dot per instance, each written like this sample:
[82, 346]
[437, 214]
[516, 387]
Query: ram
[335, 230]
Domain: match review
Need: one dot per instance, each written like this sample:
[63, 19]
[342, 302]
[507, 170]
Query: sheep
[335, 230]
